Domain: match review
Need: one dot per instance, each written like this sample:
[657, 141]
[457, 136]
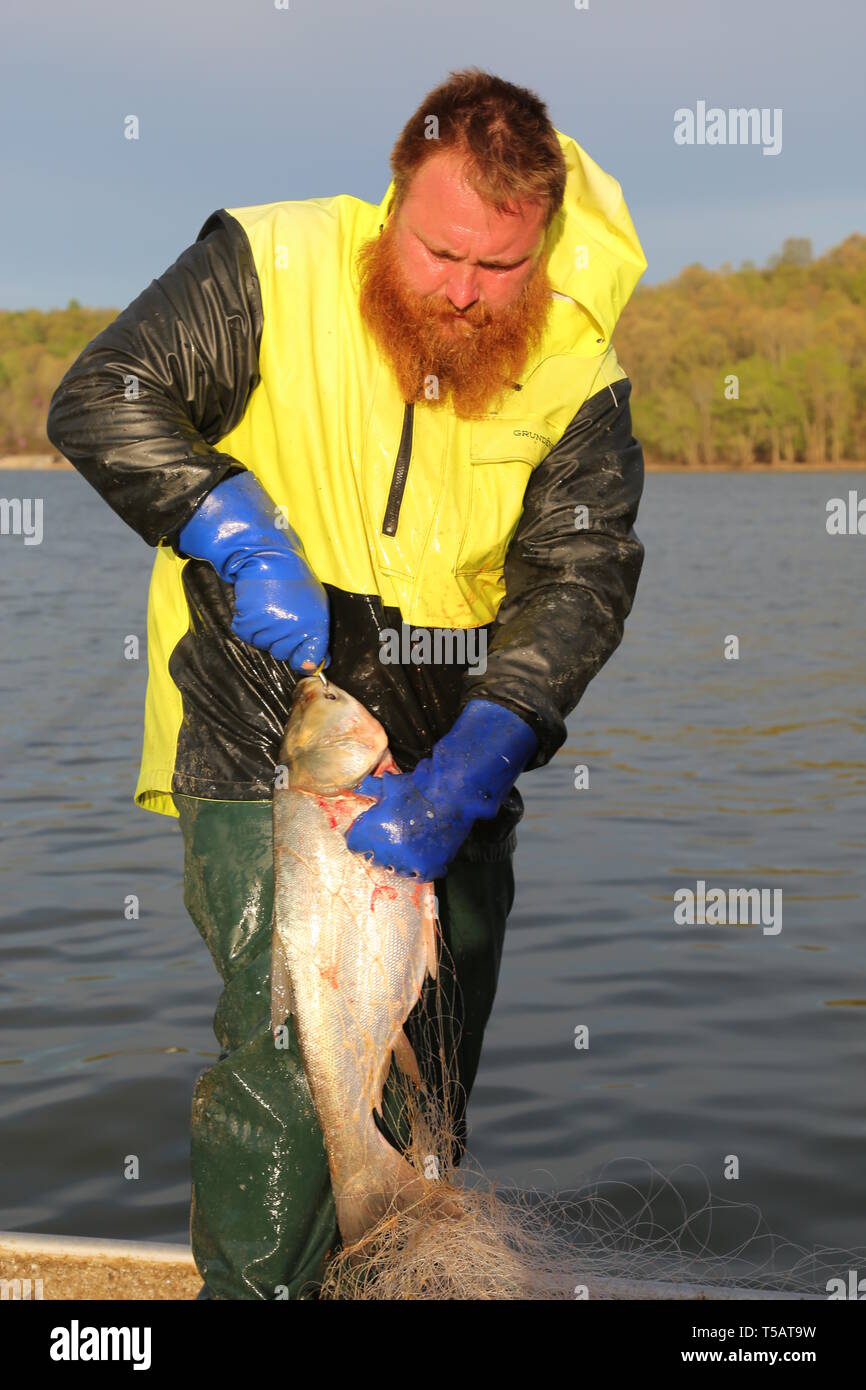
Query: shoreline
[53, 463]
[846, 466]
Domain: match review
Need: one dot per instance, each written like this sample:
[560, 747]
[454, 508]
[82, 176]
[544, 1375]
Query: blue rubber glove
[421, 818]
[280, 605]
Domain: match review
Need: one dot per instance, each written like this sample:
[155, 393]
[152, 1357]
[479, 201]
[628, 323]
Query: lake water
[704, 1041]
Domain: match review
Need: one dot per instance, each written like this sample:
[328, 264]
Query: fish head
[331, 741]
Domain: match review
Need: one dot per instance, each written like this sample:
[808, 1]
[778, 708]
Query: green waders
[262, 1219]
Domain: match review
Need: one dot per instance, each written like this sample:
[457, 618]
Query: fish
[352, 945]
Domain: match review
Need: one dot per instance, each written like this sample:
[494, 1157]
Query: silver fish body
[352, 946]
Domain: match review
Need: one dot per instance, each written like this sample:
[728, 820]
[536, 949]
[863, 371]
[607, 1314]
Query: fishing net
[468, 1238]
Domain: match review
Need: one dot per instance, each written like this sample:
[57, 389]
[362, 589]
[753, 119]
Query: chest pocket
[502, 455]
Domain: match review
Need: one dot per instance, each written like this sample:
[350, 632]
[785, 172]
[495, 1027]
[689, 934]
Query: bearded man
[332, 419]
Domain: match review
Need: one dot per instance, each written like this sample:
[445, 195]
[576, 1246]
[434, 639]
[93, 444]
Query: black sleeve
[139, 411]
[568, 590]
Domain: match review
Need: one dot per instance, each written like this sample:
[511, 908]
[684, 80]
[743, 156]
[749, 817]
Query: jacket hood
[595, 257]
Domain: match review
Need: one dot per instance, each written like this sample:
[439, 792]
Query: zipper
[401, 471]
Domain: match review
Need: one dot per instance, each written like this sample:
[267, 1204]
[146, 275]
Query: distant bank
[46, 461]
[52, 462]
[743, 369]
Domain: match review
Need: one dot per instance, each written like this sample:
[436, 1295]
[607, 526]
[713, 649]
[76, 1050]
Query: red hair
[511, 149]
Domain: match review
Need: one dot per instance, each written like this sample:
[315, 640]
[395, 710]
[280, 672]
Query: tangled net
[468, 1238]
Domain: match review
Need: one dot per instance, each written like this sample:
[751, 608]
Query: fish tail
[365, 1199]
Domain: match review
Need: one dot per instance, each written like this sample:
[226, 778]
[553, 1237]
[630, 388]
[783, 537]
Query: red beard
[474, 361]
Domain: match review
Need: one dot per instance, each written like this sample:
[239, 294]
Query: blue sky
[242, 103]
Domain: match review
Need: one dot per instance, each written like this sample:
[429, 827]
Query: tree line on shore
[729, 367]
[735, 368]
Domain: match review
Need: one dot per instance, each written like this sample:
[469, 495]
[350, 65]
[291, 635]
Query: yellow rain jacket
[250, 352]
